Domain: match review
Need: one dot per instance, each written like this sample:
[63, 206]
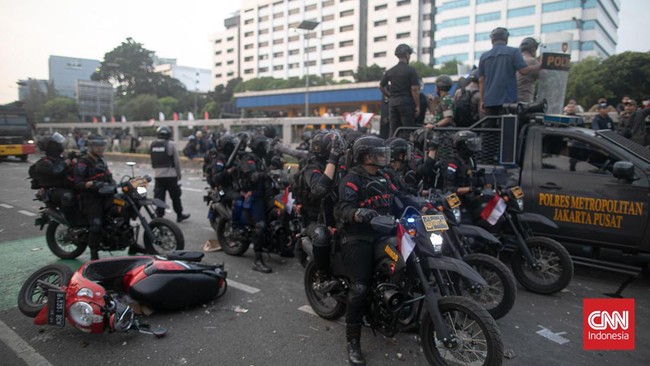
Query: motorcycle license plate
[517, 192]
[56, 308]
[453, 200]
[435, 223]
[118, 202]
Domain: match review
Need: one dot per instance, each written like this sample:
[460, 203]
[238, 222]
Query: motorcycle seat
[111, 268]
[185, 255]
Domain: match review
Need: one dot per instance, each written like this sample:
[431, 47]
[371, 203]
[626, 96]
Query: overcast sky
[32, 30]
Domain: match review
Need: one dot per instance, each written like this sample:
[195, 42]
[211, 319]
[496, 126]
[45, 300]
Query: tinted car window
[572, 155]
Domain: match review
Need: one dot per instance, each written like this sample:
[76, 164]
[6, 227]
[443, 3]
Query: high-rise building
[264, 38]
[194, 79]
[65, 71]
[95, 99]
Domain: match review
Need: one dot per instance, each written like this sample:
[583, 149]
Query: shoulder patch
[452, 167]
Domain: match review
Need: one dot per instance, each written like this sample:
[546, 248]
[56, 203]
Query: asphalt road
[263, 319]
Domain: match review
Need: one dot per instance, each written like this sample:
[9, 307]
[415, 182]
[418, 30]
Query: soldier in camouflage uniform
[442, 107]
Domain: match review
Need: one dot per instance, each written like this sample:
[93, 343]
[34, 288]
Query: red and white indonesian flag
[405, 243]
[287, 200]
[358, 119]
[494, 210]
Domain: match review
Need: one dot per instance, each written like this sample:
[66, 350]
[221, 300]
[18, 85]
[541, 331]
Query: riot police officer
[400, 171]
[167, 171]
[91, 174]
[461, 175]
[316, 195]
[54, 173]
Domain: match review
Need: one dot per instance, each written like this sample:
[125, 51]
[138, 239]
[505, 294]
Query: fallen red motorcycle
[97, 296]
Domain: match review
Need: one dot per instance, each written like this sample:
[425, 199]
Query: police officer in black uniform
[54, 173]
[400, 171]
[251, 180]
[318, 199]
[91, 174]
[461, 175]
[364, 193]
[167, 170]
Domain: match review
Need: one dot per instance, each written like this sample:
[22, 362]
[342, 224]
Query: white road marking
[193, 189]
[6, 205]
[553, 337]
[241, 286]
[307, 309]
[27, 213]
[207, 228]
[21, 348]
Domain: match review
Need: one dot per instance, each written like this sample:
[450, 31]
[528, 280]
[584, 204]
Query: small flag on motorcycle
[405, 243]
[493, 210]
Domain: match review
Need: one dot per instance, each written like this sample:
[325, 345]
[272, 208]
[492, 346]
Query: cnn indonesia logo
[608, 324]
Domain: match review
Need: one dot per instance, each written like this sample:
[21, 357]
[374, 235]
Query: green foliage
[450, 67]
[169, 105]
[586, 82]
[424, 70]
[61, 109]
[627, 73]
[139, 108]
[35, 100]
[369, 73]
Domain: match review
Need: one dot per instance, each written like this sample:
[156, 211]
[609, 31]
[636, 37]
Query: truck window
[14, 120]
[572, 155]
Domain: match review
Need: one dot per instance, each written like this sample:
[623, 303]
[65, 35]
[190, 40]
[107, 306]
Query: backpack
[463, 116]
[32, 176]
[299, 187]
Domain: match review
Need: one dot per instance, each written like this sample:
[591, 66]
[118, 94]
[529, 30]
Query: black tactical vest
[160, 157]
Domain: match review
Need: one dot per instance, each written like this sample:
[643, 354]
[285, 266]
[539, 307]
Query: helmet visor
[58, 138]
[473, 144]
[379, 156]
[100, 143]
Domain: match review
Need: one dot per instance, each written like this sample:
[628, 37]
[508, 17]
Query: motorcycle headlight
[457, 214]
[85, 292]
[142, 191]
[436, 242]
[82, 313]
[520, 203]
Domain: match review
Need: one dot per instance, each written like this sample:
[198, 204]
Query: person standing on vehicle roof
[497, 71]
[442, 104]
[526, 83]
[400, 86]
[91, 174]
[602, 121]
[467, 102]
[167, 171]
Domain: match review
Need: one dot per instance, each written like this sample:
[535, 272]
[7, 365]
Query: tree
[169, 105]
[424, 70]
[627, 73]
[35, 100]
[369, 73]
[450, 67]
[585, 82]
[139, 108]
[61, 109]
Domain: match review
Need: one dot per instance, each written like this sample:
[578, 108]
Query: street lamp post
[307, 25]
[579, 25]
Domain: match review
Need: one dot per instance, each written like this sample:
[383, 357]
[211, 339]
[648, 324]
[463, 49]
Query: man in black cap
[602, 121]
[497, 70]
[403, 93]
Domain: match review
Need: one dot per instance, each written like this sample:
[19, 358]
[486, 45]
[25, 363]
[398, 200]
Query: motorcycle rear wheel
[32, 296]
[225, 237]
[169, 237]
[324, 305]
[498, 297]
[557, 266]
[54, 235]
[478, 336]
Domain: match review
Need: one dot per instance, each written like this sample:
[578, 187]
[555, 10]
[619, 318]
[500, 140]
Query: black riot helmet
[321, 144]
[259, 146]
[269, 131]
[466, 142]
[96, 144]
[443, 82]
[403, 50]
[164, 132]
[54, 145]
[226, 144]
[499, 34]
[473, 76]
[400, 149]
[374, 148]
[529, 44]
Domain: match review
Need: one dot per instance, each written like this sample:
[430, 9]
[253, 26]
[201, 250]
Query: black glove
[366, 215]
[336, 152]
[98, 185]
[477, 190]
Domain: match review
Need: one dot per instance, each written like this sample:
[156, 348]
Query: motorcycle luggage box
[174, 290]
[185, 255]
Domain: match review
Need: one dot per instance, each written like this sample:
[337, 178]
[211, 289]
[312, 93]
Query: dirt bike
[540, 264]
[67, 235]
[498, 296]
[98, 296]
[283, 222]
[405, 293]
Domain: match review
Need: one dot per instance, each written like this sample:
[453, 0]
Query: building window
[230, 50]
[381, 22]
[521, 31]
[294, 38]
[294, 11]
[329, 46]
[381, 7]
[264, 18]
[453, 23]
[248, 34]
[230, 62]
[488, 17]
[230, 73]
[217, 75]
[346, 73]
[346, 43]
[248, 46]
[278, 67]
[403, 35]
[294, 25]
[294, 65]
[453, 40]
[278, 41]
[249, 21]
[217, 52]
[310, 49]
[327, 18]
[217, 64]
[462, 57]
[521, 12]
[217, 41]
[230, 39]
[380, 39]
[328, 32]
[248, 71]
[278, 15]
[328, 75]
[311, 63]
[263, 69]
[379, 54]
[452, 5]
[346, 28]
[477, 54]
[248, 58]
[328, 3]
[294, 52]
[278, 28]
[263, 57]
[426, 17]
[264, 31]
[327, 61]
[478, 2]
[310, 7]
[561, 5]
[558, 26]
[345, 58]
[346, 13]
[278, 54]
[403, 2]
[426, 34]
[404, 19]
[483, 36]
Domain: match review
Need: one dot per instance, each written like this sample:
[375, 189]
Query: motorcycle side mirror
[383, 224]
[131, 164]
[159, 332]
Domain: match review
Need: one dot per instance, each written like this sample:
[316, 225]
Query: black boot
[353, 335]
[182, 217]
[259, 265]
[94, 254]
[325, 283]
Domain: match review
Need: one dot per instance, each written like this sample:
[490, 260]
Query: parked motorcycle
[95, 297]
[540, 264]
[67, 235]
[498, 296]
[405, 292]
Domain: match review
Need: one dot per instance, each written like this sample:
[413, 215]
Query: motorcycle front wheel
[227, 240]
[168, 237]
[32, 296]
[324, 305]
[498, 297]
[556, 266]
[478, 339]
[59, 241]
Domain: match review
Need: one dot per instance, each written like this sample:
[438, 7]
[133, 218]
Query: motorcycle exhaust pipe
[393, 300]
